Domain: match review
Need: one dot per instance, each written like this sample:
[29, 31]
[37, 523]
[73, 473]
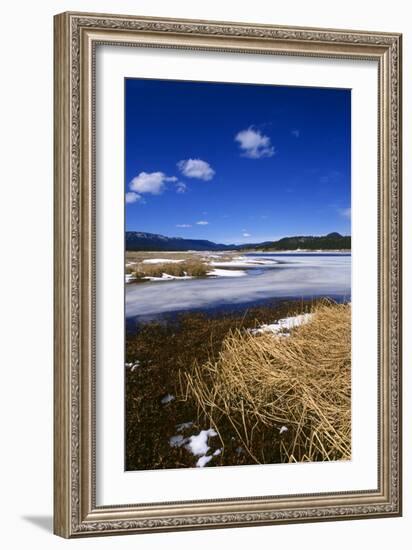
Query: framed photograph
[227, 274]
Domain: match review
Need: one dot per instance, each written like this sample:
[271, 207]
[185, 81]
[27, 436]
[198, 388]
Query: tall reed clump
[287, 399]
[191, 267]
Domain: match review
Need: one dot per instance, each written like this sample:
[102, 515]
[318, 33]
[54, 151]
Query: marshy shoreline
[161, 283]
[188, 404]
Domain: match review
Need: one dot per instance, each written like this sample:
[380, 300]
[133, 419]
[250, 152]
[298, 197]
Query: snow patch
[242, 261]
[226, 273]
[283, 326]
[166, 277]
[203, 460]
[167, 399]
[129, 277]
[198, 443]
[195, 444]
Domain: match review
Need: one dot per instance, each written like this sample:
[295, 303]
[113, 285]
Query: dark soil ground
[165, 350]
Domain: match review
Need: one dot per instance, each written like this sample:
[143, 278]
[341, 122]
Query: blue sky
[236, 163]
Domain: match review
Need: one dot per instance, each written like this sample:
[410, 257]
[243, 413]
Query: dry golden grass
[192, 267]
[194, 264]
[260, 383]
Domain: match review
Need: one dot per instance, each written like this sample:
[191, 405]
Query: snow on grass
[167, 399]
[167, 277]
[226, 273]
[162, 261]
[283, 326]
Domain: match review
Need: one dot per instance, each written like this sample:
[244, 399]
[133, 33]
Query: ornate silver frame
[75, 510]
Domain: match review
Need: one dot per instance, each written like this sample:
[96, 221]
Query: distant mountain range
[331, 241]
[140, 241]
[137, 240]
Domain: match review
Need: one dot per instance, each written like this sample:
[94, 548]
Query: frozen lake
[287, 275]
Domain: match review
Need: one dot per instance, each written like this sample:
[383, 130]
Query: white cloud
[295, 133]
[153, 182]
[133, 197]
[196, 168]
[183, 225]
[246, 235]
[202, 222]
[254, 144]
[345, 212]
[181, 187]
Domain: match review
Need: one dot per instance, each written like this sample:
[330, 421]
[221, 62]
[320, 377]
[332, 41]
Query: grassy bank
[141, 265]
[269, 398]
[296, 387]
[192, 267]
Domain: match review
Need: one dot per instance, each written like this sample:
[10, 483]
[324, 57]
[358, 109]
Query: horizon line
[251, 241]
